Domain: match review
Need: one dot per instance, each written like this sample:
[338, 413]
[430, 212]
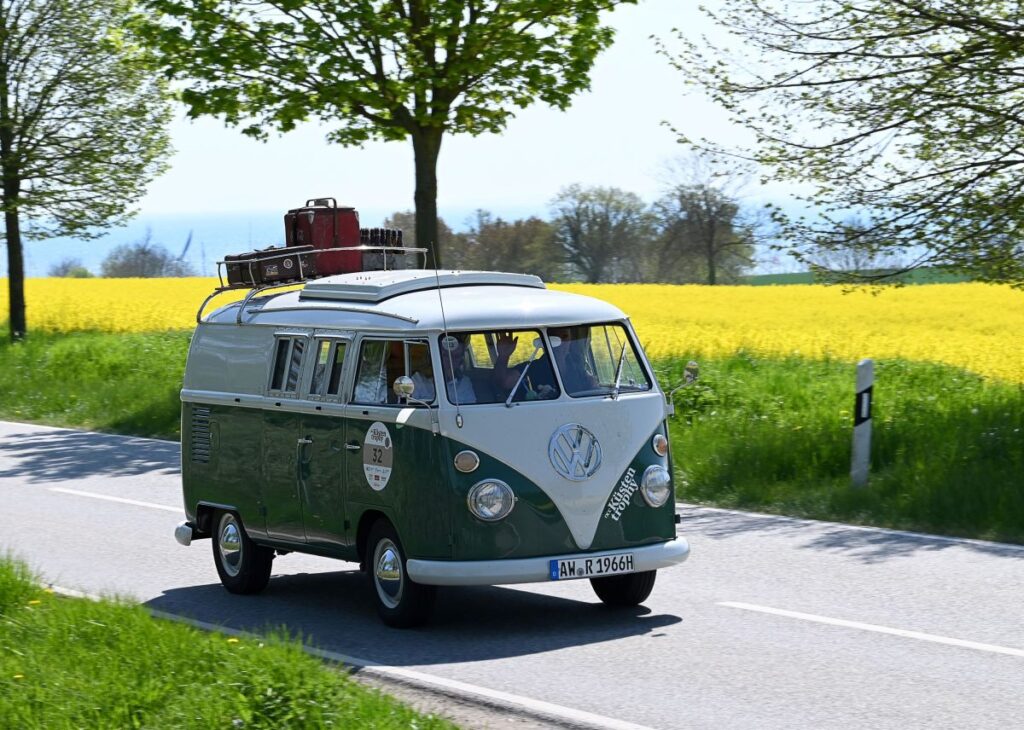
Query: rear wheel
[243, 566]
[631, 589]
[401, 603]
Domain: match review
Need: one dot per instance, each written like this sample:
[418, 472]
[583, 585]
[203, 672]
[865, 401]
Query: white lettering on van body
[378, 455]
[621, 496]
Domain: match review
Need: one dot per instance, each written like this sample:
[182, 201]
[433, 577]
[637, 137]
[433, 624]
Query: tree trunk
[15, 274]
[426, 146]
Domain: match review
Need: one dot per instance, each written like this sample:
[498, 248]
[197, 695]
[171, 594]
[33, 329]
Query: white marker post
[861, 461]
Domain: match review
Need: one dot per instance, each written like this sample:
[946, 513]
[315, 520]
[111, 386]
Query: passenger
[453, 363]
[541, 385]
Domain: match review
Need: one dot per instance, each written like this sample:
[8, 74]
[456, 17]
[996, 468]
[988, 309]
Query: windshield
[597, 359]
[513, 366]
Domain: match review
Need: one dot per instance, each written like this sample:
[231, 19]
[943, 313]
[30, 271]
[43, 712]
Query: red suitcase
[320, 223]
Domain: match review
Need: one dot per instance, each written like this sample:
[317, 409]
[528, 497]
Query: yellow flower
[232, 640]
[34, 602]
[19, 676]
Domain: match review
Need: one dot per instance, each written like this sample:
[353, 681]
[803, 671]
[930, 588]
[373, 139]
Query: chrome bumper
[536, 570]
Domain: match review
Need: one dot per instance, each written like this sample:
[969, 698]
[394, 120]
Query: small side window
[287, 364]
[334, 384]
[327, 369]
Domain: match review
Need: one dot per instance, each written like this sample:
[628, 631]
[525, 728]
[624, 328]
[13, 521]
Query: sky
[231, 192]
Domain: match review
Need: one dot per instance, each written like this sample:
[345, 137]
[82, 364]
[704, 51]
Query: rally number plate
[591, 567]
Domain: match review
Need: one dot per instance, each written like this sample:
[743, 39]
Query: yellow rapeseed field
[975, 326]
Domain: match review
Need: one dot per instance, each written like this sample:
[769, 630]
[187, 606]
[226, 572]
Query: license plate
[591, 567]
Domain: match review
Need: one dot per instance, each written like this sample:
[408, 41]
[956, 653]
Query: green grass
[775, 435]
[755, 433]
[118, 383]
[72, 663]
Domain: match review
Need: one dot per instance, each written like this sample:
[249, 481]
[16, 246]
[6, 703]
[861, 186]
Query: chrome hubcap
[230, 544]
[387, 573]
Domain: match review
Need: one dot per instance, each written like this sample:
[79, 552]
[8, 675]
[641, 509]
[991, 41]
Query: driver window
[381, 361]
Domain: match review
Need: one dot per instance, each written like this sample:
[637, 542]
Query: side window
[288, 353]
[381, 361]
[327, 369]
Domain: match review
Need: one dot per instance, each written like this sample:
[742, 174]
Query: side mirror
[690, 374]
[404, 387]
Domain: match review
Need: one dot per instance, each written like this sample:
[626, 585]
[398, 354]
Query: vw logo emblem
[574, 452]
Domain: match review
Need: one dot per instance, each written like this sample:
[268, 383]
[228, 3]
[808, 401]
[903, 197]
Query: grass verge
[775, 435]
[754, 433]
[121, 383]
[76, 663]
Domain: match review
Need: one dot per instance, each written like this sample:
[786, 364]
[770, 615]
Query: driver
[569, 345]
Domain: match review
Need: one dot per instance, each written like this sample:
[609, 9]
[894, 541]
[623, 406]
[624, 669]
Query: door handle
[305, 442]
[352, 446]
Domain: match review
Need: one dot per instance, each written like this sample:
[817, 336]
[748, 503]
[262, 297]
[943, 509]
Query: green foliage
[775, 435]
[494, 244]
[77, 663]
[905, 112]
[378, 69]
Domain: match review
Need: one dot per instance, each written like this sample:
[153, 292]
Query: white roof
[376, 286]
[410, 299]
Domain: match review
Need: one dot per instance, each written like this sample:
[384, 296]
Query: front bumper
[535, 570]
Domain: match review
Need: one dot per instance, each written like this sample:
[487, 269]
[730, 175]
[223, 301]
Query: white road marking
[877, 629]
[121, 500]
[451, 687]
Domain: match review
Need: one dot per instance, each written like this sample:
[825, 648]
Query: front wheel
[401, 603]
[630, 589]
[243, 566]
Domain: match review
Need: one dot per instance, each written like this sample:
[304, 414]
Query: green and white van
[438, 428]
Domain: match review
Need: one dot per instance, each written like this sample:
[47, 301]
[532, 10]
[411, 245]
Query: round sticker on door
[377, 456]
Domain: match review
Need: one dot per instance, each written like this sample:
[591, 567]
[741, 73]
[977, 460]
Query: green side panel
[321, 482]
[232, 475]
[628, 520]
[416, 498]
[280, 453]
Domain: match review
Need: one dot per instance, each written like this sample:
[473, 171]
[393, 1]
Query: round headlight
[491, 500]
[660, 444]
[656, 485]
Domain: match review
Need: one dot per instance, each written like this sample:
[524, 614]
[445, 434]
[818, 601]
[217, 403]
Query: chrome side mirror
[404, 387]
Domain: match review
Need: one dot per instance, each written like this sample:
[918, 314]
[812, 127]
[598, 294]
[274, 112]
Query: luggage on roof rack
[270, 266]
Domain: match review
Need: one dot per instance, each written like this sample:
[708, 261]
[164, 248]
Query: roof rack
[300, 278]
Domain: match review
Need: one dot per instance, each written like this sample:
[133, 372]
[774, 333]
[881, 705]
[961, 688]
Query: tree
[703, 228]
[526, 245]
[143, 259]
[604, 233]
[380, 69]
[906, 111]
[70, 268]
[82, 125]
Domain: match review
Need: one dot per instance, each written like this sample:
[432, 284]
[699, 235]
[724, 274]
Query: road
[772, 622]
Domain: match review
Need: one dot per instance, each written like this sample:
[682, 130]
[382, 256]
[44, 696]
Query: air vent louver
[200, 441]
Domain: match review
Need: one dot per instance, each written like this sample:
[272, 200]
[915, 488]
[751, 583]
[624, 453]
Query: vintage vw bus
[437, 427]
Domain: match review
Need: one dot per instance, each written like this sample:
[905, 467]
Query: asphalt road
[772, 622]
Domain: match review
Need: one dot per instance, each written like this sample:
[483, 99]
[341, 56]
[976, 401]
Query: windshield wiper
[508, 401]
[618, 371]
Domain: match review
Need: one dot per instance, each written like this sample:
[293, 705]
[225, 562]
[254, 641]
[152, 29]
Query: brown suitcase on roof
[323, 225]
